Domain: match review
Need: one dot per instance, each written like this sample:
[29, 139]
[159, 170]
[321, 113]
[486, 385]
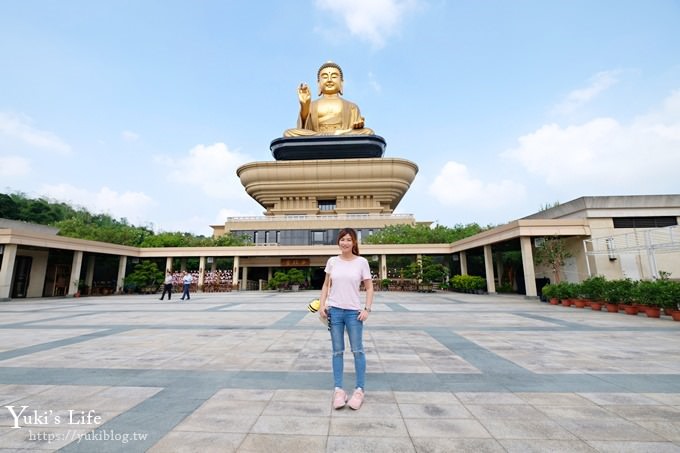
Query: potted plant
[618, 293]
[279, 281]
[550, 292]
[593, 289]
[565, 292]
[650, 294]
[578, 295]
[385, 284]
[296, 278]
[669, 297]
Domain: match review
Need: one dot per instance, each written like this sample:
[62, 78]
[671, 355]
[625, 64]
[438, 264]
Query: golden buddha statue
[330, 114]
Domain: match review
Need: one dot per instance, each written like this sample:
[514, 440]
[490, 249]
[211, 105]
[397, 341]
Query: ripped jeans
[342, 319]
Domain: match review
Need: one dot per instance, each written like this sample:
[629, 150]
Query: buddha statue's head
[329, 78]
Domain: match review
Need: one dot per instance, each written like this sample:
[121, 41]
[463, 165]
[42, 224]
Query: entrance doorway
[22, 276]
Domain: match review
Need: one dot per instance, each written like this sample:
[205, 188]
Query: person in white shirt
[187, 280]
[167, 285]
[340, 300]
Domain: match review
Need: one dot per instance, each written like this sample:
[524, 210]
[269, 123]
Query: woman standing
[341, 301]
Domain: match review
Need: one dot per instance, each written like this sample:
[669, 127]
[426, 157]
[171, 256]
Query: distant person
[330, 114]
[167, 285]
[340, 299]
[187, 280]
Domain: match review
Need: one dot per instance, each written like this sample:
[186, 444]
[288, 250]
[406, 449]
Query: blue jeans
[342, 319]
[185, 291]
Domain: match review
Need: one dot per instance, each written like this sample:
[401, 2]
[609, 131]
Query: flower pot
[653, 312]
[580, 303]
[554, 301]
[668, 311]
[566, 302]
[612, 308]
[596, 306]
[631, 309]
[676, 315]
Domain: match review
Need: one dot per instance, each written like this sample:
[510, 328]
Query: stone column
[75, 272]
[120, 283]
[383, 267]
[168, 264]
[244, 280]
[201, 271]
[488, 268]
[89, 273]
[528, 266]
[499, 267]
[234, 275]
[7, 271]
[463, 263]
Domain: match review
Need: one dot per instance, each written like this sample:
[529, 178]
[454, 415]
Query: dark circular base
[328, 147]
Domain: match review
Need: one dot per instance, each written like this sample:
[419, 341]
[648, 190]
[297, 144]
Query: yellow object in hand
[314, 306]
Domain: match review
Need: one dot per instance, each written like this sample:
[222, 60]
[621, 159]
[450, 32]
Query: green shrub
[550, 291]
[593, 288]
[467, 283]
[620, 291]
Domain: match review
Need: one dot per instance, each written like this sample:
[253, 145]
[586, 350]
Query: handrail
[315, 217]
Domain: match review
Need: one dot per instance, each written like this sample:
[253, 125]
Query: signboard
[295, 262]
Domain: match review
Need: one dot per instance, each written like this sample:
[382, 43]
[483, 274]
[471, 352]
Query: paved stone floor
[250, 372]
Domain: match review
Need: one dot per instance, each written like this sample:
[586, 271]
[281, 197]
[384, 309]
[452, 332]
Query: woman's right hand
[322, 311]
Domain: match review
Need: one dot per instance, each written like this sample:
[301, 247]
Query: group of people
[187, 279]
[212, 280]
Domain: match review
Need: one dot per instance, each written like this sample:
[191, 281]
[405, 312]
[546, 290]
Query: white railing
[649, 241]
[660, 240]
[317, 217]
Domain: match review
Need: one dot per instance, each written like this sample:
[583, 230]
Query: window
[644, 222]
[326, 205]
[318, 238]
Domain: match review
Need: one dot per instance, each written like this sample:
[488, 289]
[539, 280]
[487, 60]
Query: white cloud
[373, 21]
[129, 136]
[21, 128]
[134, 206]
[606, 156]
[581, 96]
[210, 168]
[14, 166]
[455, 186]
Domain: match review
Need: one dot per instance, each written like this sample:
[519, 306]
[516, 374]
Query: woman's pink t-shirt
[346, 276]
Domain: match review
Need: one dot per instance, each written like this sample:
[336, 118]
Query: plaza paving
[250, 372]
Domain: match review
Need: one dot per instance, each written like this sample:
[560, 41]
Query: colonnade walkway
[250, 372]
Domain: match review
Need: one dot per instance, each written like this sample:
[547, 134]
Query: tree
[553, 253]
[278, 281]
[82, 224]
[423, 234]
[426, 271]
[8, 207]
[145, 275]
[296, 276]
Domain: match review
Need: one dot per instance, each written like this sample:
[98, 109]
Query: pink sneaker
[339, 399]
[357, 399]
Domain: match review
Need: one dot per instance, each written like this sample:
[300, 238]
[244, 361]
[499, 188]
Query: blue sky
[145, 109]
